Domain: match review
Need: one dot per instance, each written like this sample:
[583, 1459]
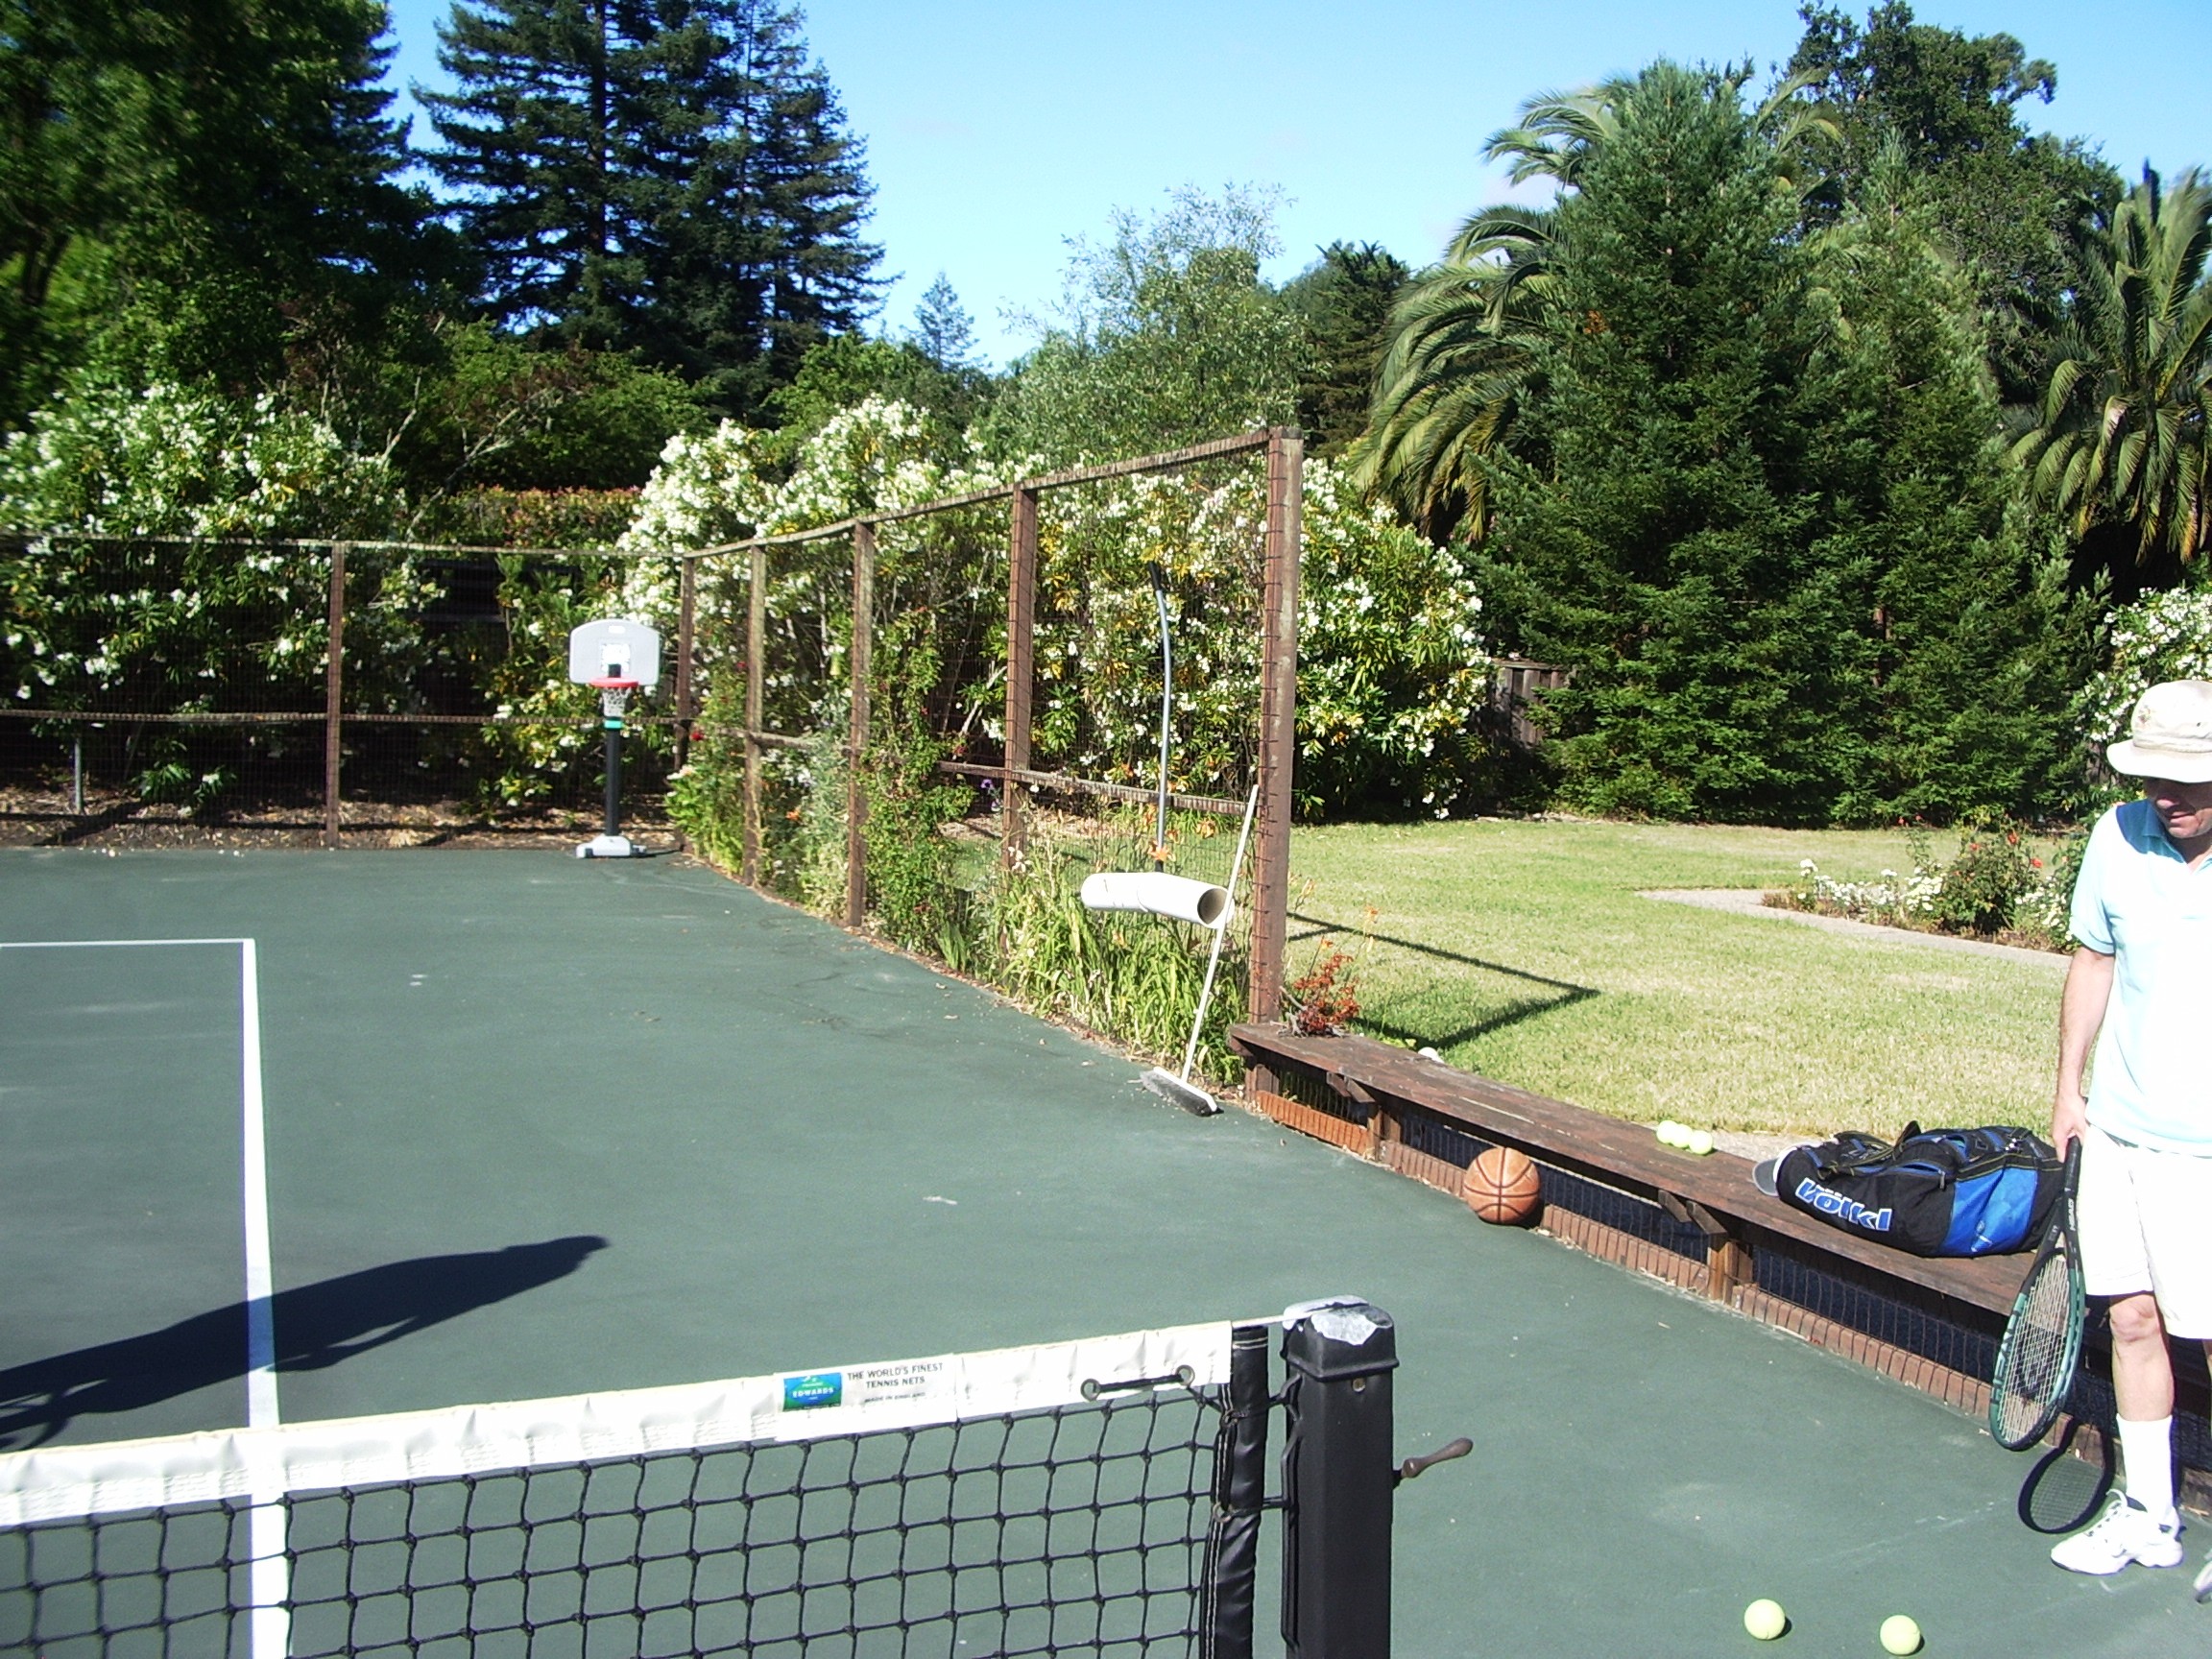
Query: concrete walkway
[1752, 901]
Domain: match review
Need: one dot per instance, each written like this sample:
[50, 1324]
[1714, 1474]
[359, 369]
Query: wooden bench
[1386, 1083]
[1379, 1091]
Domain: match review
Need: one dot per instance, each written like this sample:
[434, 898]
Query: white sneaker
[2125, 1532]
[2203, 1584]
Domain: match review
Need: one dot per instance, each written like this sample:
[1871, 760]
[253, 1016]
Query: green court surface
[534, 1127]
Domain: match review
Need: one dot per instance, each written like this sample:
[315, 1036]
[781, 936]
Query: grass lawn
[1522, 949]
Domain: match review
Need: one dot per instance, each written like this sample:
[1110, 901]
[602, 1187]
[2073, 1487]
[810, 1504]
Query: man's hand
[2069, 1117]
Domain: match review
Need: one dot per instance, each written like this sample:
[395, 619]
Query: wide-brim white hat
[2170, 734]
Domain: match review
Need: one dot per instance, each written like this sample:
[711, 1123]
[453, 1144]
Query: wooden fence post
[1021, 668]
[1278, 727]
[755, 688]
[856, 740]
[686, 583]
[333, 701]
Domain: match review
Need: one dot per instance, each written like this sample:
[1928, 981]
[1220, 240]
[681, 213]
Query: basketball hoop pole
[613, 724]
[613, 698]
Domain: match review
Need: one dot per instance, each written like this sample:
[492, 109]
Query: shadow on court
[317, 1326]
[1398, 1018]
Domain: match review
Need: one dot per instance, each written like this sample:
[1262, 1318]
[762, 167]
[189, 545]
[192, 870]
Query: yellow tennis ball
[1670, 1133]
[1766, 1619]
[1701, 1142]
[1900, 1635]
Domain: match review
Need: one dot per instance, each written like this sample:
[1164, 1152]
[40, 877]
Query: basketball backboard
[617, 648]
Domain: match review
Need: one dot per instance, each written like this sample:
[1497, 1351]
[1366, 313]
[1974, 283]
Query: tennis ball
[1900, 1635]
[1670, 1133]
[1766, 1619]
[1701, 1142]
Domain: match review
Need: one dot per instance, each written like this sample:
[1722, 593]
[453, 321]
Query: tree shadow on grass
[1397, 1019]
[317, 1326]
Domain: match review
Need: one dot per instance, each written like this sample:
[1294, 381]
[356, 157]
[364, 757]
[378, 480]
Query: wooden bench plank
[1609, 1150]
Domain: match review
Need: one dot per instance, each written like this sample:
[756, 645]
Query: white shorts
[2146, 1222]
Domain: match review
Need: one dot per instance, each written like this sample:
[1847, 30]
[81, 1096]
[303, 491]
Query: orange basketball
[1503, 1187]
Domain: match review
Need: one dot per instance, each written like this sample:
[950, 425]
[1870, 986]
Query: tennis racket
[2042, 1342]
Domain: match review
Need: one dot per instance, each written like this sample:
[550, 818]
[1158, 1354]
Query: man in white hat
[2140, 987]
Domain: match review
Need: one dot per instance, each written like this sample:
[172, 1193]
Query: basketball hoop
[614, 694]
[618, 657]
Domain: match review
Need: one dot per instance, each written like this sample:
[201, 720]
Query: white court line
[269, 1577]
[105, 943]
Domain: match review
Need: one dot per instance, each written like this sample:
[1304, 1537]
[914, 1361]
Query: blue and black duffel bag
[1937, 1192]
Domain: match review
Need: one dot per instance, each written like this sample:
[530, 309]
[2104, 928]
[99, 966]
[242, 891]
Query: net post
[686, 591]
[1278, 726]
[755, 694]
[857, 741]
[333, 697]
[1021, 666]
[1240, 1498]
[1336, 1481]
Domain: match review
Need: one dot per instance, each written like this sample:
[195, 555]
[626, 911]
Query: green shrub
[1992, 872]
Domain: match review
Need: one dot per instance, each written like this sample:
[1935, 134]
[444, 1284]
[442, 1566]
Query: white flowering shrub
[1392, 673]
[171, 461]
[128, 586]
[1889, 901]
[2160, 636]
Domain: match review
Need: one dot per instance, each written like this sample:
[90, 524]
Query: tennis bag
[1941, 1192]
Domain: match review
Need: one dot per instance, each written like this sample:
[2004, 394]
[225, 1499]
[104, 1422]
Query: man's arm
[2081, 1013]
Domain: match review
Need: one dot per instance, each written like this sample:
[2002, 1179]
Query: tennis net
[1096, 1497]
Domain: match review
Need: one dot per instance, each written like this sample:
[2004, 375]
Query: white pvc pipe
[1159, 895]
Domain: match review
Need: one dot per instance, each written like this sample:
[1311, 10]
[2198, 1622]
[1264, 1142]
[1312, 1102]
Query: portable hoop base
[610, 842]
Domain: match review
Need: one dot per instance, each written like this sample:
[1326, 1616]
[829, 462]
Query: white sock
[2146, 1457]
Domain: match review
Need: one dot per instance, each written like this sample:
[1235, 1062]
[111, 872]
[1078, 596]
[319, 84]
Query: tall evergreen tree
[942, 329]
[671, 178]
[230, 161]
[1758, 498]
[1975, 644]
[1658, 530]
[1345, 299]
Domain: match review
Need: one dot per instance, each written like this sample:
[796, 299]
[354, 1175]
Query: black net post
[1336, 1481]
[1239, 1496]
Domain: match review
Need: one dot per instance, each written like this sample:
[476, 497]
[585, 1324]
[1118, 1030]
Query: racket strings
[2039, 1350]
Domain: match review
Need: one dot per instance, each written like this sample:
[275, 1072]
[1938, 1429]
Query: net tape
[1044, 1499]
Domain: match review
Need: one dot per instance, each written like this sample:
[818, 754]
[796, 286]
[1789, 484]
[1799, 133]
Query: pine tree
[1659, 531]
[942, 329]
[1345, 299]
[660, 177]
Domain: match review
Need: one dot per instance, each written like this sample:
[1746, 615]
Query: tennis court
[533, 1127]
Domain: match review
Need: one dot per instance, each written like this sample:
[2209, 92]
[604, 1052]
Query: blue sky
[998, 131]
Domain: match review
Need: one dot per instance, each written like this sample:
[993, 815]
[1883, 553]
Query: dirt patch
[31, 817]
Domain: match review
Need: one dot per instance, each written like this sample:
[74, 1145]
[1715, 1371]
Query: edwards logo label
[814, 1390]
[1850, 1211]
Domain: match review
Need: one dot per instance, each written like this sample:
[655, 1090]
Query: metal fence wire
[931, 721]
[195, 680]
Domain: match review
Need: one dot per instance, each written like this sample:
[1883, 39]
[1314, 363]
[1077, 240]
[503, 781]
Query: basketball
[1503, 1187]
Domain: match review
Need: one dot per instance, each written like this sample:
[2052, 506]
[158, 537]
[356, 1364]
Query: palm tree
[1454, 372]
[2122, 439]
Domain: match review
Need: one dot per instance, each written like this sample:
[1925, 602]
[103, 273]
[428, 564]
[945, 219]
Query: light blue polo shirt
[2138, 901]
